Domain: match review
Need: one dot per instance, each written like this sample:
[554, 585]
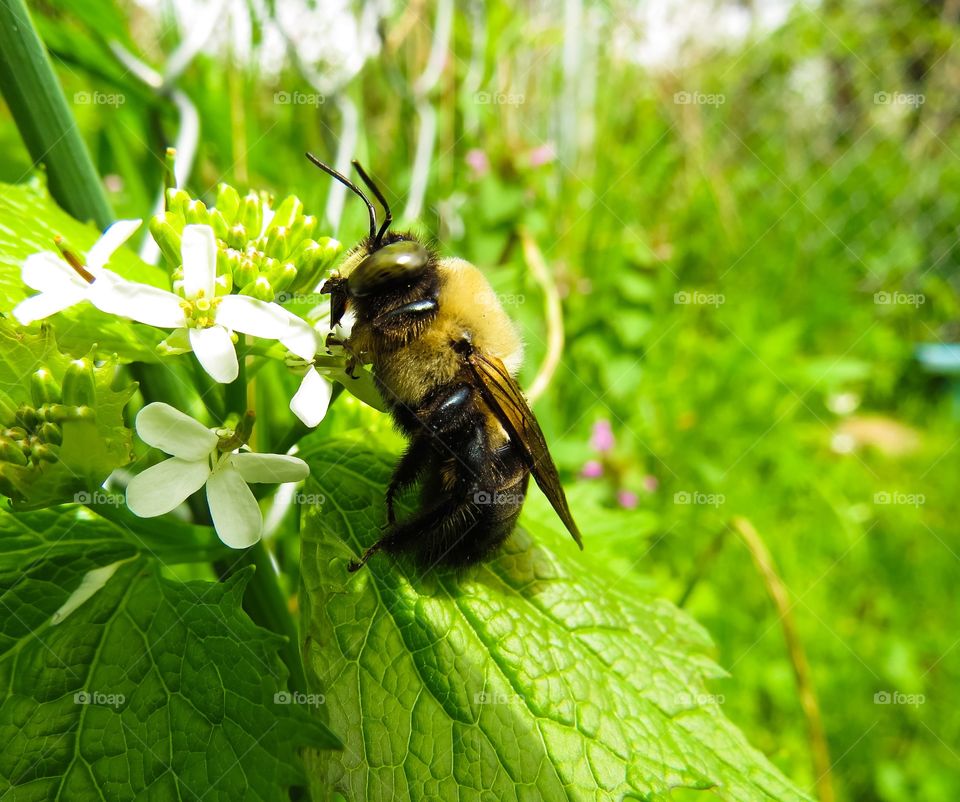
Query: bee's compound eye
[393, 264]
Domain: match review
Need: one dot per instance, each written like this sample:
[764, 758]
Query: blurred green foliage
[786, 391]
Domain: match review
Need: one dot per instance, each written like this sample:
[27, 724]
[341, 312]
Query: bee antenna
[388, 219]
[355, 189]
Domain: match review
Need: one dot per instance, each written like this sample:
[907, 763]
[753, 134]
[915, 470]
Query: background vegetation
[751, 237]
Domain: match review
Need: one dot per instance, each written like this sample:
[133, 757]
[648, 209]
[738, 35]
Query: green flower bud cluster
[261, 252]
[31, 434]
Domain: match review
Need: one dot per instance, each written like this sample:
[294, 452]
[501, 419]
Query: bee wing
[503, 395]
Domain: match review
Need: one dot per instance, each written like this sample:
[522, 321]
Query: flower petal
[272, 468]
[312, 399]
[301, 338]
[41, 306]
[216, 353]
[47, 272]
[176, 343]
[252, 316]
[165, 486]
[109, 241]
[198, 248]
[162, 426]
[236, 515]
[112, 294]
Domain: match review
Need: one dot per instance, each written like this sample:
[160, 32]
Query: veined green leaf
[148, 688]
[534, 677]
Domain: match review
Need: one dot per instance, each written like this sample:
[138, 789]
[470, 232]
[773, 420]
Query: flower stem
[40, 111]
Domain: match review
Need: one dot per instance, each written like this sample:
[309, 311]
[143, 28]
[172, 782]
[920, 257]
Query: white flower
[312, 399]
[204, 322]
[59, 284]
[196, 461]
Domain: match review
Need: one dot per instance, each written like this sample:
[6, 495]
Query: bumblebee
[444, 355]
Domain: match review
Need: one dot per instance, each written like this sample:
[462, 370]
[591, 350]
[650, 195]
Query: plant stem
[43, 117]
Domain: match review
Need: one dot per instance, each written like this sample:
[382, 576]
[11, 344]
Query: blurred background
[748, 213]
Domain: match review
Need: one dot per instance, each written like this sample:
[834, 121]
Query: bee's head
[385, 260]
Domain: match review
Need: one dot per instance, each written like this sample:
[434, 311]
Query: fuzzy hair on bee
[444, 355]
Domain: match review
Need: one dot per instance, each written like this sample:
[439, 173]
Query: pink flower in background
[544, 154]
[591, 470]
[650, 483]
[602, 440]
[627, 499]
[477, 161]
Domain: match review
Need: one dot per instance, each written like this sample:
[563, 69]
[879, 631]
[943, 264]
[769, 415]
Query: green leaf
[92, 447]
[31, 220]
[533, 677]
[149, 688]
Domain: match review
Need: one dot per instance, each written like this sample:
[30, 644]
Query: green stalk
[40, 110]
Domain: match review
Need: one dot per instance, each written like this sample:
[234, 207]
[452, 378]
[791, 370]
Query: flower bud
[282, 276]
[177, 201]
[17, 433]
[167, 237]
[64, 413]
[251, 214]
[44, 388]
[197, 214]
[45, 452]
[228, 202]
[50, 433]
[27, 417]
[237, 237]
[7, 485]
[244, 271]
[278, 243]
[223, 284]
[302, 228]
[11, 451]
[259, 288]
[79, 385]
[289, 210]
[221, 228]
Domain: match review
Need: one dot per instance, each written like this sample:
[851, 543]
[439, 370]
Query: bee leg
[356, 565]
[411, 466]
